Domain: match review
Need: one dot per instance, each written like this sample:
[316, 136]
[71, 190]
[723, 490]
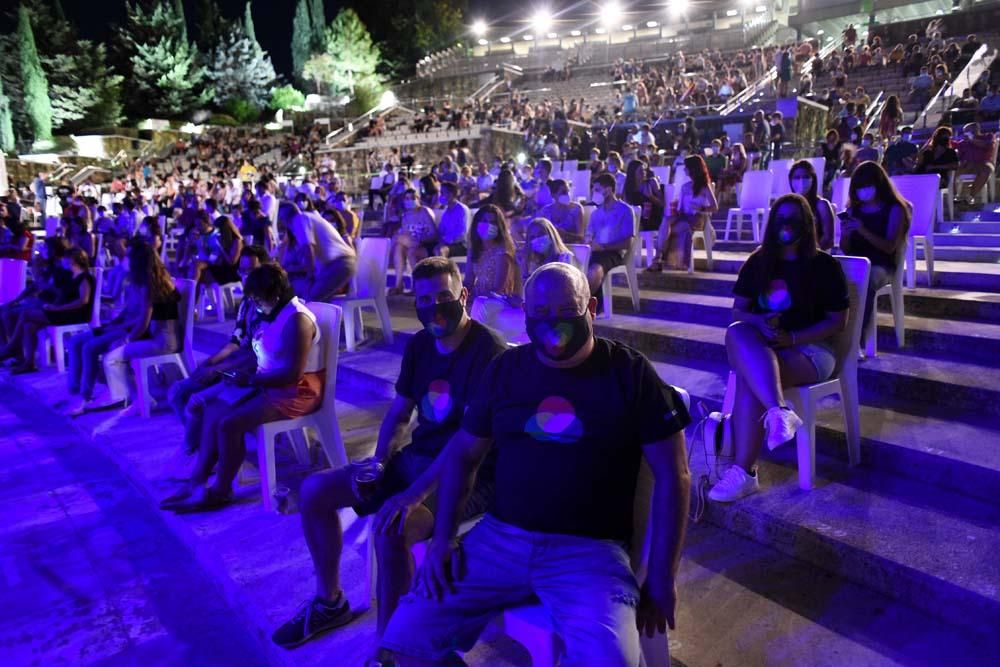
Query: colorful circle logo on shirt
[776, 298]
[555, 421]
[437, 402]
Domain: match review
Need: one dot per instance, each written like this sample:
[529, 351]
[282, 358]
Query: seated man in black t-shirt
[570, 417]
[441, 369]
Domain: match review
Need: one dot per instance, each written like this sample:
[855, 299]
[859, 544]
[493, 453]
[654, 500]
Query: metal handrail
[948, 91]
[878, 104]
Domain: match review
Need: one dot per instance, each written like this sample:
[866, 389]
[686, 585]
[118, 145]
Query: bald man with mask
[569, 417]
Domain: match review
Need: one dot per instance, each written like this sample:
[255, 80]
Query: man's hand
[441, 568]
[657, 605]
[391, 519]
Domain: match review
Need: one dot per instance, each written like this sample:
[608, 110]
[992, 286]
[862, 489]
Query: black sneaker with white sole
[314, 617]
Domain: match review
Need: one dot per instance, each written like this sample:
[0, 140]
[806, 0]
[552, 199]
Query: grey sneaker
[314, 617]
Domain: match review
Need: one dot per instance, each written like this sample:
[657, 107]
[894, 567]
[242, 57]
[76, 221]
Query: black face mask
[559, 338]
[790, 232]
[441, 319]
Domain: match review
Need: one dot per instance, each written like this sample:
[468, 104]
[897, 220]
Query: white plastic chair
[779, 177]
[52, 339]
[323, 421]
[841, 193]
[13, 278]
[946, 197]
[581, 255]
[895, 292]
[987, 193]
[844, 381]
[221, 297]
[368, 291]
[628, 268]
[920, 191]
[183, 359]
[755, 201]
[819, 164]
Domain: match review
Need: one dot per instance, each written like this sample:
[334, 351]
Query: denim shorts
[822, 356]
[586, 585]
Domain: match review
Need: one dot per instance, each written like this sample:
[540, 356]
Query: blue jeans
[85, 351]
[587, 585]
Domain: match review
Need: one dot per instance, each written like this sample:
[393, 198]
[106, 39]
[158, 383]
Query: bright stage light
[677, 7]
[542, 21]
[611, 14]
[479, 28]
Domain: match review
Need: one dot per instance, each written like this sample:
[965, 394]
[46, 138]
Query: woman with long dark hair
[490, 269]
[892, 116]
[803, 181]
[643, 189]
[790, 301]
[876, 227]
[156, 328]
[695, 205]
[507, 194]
[938, 156]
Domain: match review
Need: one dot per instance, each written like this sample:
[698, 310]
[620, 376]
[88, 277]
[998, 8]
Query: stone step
[958, 459]
[989, 214]
[976, 343]
[901, 382]
[947, 247]
[921, 301]
[958, 238]
[733, 589]
[822, 527]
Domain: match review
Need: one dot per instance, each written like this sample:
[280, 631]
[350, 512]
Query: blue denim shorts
[586, 585]
[822, 356]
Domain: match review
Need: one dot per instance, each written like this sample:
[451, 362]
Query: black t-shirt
[568, 441]
[442, 384]
[802, 290]
[256, 229]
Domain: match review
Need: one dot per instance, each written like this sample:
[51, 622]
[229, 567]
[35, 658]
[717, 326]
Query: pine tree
[211, 25]
[317, 17]
[7, 143]
[248, 27]
[356, 57]
[166, 75]
[241, 70]
[36, 87]
[301, 38]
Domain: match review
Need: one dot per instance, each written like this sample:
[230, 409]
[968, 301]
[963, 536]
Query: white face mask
[409, 204]
[800, 186]
[443, 200]
[487, 231]
[866, 194]
[598, 197]
[563, 199]
[541, 244]
[612, 168]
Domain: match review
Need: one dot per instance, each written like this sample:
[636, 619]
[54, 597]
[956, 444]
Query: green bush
[222, 119]
[244, 111]
[286, 97]
[366, 96]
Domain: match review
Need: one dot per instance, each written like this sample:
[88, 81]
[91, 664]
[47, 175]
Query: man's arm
[393, 425]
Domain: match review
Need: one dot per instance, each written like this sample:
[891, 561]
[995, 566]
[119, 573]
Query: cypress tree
[248, 25]
[36, 87]
[301, 38]
[6, 123]
[317, 16]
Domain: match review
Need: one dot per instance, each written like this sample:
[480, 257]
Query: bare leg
[230, 436]
[595, 276]
[320, 497]
[755, 362]
[748, 431]
[395, 563]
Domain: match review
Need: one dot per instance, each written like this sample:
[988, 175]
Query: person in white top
[454, 224]
[332, 258]
[288, 383]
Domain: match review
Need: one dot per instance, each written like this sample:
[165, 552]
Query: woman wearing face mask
[642, 188]
[565, 214]
[74, 306]
[416, 238]
[876, 228]
[938, 157]
[490, 269]
[288, 383]
[832, 150]
[615, 168]
[790, 301]
[695, 205]
[802, 180]
[507, 194]
[393, 210]
[154, 331]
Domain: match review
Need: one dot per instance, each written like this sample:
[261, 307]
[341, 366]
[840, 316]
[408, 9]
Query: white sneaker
[736, 483]
[780, 425]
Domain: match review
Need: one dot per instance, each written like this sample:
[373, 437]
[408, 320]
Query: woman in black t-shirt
[938, 157]
[791, 300]
[876, 226]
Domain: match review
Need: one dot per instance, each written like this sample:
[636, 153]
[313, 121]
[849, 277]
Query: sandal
[655, 267]
[177, 498]
[209, 501]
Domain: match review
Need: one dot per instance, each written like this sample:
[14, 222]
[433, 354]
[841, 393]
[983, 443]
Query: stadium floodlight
[529, 37]
[387, 100]
[677, 7]
[505, 40]
[760, 9]
[484, 42]
[552, 35]
[599, 31]
[611, 14]
[574, 33]
[627, 27]
[479, 28]
[542, 21]
[732, 12]
[821, 32]
[651, 24]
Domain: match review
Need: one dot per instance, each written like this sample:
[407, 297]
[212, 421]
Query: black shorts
[405, 467]
[456, 249]
[608, 259]
[429, 247]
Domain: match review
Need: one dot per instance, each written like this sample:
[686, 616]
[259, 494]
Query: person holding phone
[790, 300]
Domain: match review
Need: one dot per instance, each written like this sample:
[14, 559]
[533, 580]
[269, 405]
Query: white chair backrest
[95, 305]
[99, 250]
[373, 264]
[756, 190]
[779, 177]
[635, 248]
[662, 173]
[580, 183]
[376, 183]
[581, 255]
[819, 164]
[328, 317]
[587, 210]
[186, 310]
[922, 191]
[857, 271]
[841, 191]
[13, 278]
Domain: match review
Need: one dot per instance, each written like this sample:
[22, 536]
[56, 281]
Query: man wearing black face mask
[570, 417]
[441, 369]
